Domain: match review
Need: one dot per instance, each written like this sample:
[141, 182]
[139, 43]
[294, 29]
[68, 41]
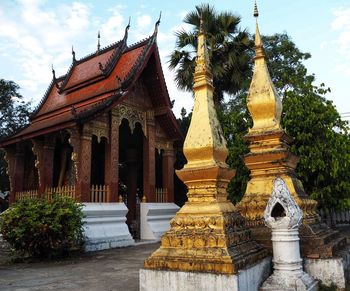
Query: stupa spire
[205, 138]
[264, 104]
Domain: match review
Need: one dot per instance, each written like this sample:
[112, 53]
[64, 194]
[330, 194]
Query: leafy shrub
[323, 287]
[42, 228]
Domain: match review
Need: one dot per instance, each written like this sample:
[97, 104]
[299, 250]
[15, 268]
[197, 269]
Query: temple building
[103, 132]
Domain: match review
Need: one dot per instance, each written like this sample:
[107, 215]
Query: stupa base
[335, 270]
[287, 282]
[317, 241]
[247, 279]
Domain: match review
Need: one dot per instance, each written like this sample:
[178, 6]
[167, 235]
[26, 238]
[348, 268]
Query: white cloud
[323, 45]
[144, 21]
[113, 28]
[342, 18]
[182, 99]
[36, 35]
[166, 41]
[182, 14]
[341, 24]
[40, 36]
[78, 17]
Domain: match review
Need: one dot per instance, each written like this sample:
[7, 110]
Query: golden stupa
[270, 157]
[207, 234]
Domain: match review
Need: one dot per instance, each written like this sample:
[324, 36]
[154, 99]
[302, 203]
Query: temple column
[149, 161]
[112, 159]
[74, 141]
[15, 170]
[131, 183]
[83, 186]
[49, 152]
[44, 151]
[168, 172]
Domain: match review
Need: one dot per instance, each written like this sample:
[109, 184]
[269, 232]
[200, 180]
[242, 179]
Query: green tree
[322, 142]
[14, 113]
[228, 48]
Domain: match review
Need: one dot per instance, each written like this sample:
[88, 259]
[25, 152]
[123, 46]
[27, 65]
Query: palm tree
[228, 47]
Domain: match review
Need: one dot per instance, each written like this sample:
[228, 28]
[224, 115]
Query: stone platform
[248, 279]
[155, 219]
[334, 270]
[105, 226]
[317, 240]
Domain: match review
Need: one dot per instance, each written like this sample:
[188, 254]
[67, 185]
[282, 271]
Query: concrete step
[4, 247]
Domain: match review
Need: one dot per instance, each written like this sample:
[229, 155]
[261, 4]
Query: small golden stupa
[269, 158]
[207, 234]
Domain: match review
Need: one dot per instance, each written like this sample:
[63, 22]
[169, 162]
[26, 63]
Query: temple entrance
[131, 173]
[62, 164]
[30, 173]
[98, 157]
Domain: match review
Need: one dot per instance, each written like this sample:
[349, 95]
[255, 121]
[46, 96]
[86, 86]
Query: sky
[35, 34]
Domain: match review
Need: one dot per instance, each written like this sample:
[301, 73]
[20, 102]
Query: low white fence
[335, 217]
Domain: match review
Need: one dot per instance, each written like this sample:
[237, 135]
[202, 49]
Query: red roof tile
[127, 61]
[89, 69]
[86, 86]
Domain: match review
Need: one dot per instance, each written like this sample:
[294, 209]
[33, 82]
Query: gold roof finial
[264, 103]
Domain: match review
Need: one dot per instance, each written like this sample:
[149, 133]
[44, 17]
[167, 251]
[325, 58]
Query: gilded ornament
[133, 115]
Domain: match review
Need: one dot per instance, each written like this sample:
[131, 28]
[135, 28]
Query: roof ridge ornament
[73, 55]
[54, 79]
[53, 73]
[264, 104]
[126, 33]
[157, 23]
[98, 41]
[128, 26]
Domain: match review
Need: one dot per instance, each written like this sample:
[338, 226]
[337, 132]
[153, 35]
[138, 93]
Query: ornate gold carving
[163, 145]
[133, 115]
[38, 148]
[207, 234]
[9, 159]
[99, 129]
[74, 141]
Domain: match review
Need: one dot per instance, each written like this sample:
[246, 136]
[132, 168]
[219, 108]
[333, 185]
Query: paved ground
[115, 269]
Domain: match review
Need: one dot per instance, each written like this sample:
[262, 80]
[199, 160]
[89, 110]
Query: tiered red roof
[95, 84]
